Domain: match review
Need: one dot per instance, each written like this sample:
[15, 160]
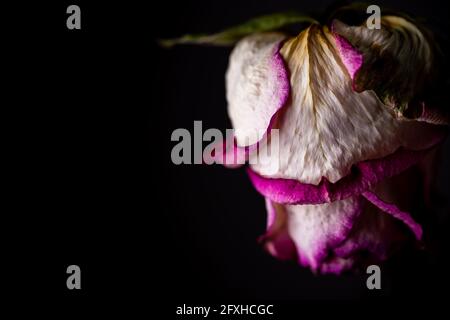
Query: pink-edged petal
[394, 211]
[343, 235]
[374, 238]
[257, 86]
[377, 233]
[364, 176]
[351, 57]
[334, 237]
[314, 229]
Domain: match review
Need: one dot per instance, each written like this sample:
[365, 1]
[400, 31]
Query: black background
[92, 182]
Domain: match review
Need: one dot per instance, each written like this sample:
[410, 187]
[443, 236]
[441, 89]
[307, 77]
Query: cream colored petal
[257, 85]
[316, 229]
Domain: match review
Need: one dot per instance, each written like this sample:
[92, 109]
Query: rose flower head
[358, 127]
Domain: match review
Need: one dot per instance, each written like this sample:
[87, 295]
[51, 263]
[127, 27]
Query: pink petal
[364, 175]
[394, 211]
[351, 57]
[375, 236]
[313, 229]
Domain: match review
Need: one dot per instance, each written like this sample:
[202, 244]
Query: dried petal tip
[381, 60]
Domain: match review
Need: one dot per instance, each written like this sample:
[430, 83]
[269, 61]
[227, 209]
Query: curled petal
[257, 86]
[398, 62]
[363, 177]
[394, 211]
[393, 53]
[313, 229]
[375, 236]
[333, 237]
[337, 236]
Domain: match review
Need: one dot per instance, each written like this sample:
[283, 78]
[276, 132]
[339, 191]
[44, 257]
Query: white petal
[316, 229]
[257, 85]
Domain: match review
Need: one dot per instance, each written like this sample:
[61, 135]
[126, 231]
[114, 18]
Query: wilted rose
[357, 136]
